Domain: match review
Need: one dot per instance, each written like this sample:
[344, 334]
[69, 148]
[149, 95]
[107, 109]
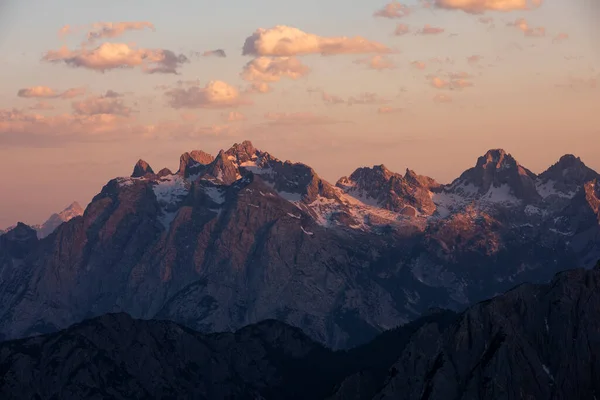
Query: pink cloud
[430, 30]
[377, 62]
[366, 98]
[216, 94]
[109, 56]
[234, 116]
[401, 29]
[272, 69]
[284, 40]
[41, 106]
[393, 10]
[29, 129]
[481, 6]
[332, 99]
[561, 37]
[258, 87]
[188, 117]
[109, 30]
[418, 65]
[522, 24]
[49, 93]
[101, 105]
[215, 53]
[441, 60]
[455, 81]
[474, 59]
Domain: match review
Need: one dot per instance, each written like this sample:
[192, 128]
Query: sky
[88, 88]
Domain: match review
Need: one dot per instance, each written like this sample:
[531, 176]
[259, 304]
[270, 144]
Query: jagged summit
[497, 159]
[569, 169]
[71, 211]
[141, 169]
[378, 186]
[190, 162]
[497, 174]
[243, 152]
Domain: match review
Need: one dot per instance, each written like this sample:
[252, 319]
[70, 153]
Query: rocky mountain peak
[141, 169]
[19, 240]
[498, 175]
[201, 157]
[379, 186]
[569, 170]
[190, 163]
[497, 159]
[243, 152]
[71, 211]
[222, 169]
[164, 172]
[413, 178]
[21, 232]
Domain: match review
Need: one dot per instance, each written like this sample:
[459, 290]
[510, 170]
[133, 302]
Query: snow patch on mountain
[500, 195]
[216, 194]
[169, 192]
[547, 189]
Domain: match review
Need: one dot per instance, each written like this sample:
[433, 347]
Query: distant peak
[201, 157]
[569, 170]
[141, 169]
[496, 158]
[21, 231]
[74, 207]
[496, 155]
[164, 172]
[569, 161]
[242, 152]
[192, 160]
[245, 147]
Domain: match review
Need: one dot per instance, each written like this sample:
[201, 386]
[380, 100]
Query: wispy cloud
[377, 62]
[523, 25]
[481, 6]
[215, 53]
[430, 30]
[110, 30]
[393, 10]
[49, 93]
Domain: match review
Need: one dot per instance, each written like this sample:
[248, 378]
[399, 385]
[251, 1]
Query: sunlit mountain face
[299, 200]
[233, 239]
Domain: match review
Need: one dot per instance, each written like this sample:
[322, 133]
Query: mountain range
[71, 211]
[533, 342]
[234, 239]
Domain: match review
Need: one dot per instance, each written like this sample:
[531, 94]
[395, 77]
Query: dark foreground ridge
[535, 341]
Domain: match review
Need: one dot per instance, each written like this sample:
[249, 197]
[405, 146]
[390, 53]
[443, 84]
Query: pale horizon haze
[91, 87]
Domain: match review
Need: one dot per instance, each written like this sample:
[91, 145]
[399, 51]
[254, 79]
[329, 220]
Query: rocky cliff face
[538, 342]
[230, 240]
[535, 341]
